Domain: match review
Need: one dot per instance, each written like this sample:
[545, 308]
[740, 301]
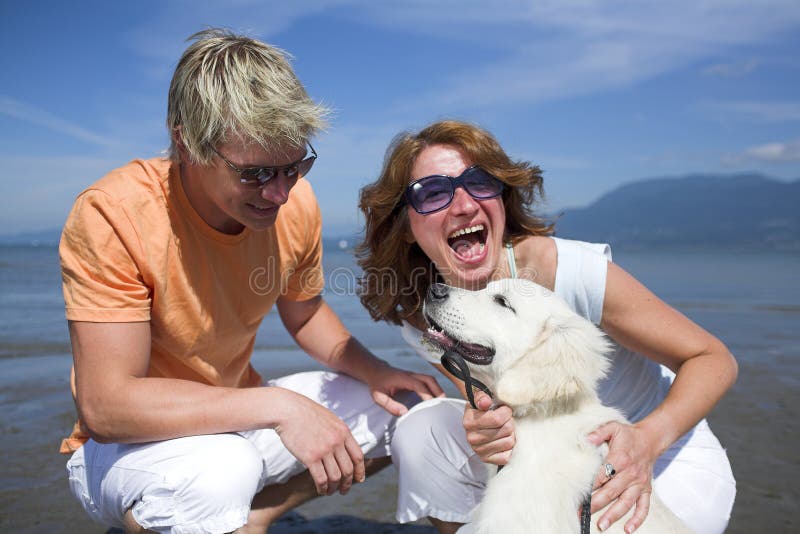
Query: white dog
[543, 360]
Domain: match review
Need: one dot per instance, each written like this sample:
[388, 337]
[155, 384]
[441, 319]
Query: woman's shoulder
[537, 259]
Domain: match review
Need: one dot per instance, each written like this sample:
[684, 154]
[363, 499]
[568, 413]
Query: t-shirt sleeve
[301, 232]
[102, 281]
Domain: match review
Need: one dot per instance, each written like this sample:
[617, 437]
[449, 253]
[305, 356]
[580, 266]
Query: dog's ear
[563, 366]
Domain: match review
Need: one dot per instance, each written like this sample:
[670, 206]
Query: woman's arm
[638, 320]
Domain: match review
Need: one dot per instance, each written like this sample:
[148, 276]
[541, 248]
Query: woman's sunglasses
[434, 193]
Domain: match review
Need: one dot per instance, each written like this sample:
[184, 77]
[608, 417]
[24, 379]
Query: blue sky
[596, 93]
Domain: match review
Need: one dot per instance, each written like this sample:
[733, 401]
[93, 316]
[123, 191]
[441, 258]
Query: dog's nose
[438, 292]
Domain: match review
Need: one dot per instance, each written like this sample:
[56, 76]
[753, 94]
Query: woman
[451, 206]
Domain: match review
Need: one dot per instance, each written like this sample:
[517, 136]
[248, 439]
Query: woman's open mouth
[468, 243]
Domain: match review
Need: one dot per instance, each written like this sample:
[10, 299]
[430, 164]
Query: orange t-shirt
[134, 249]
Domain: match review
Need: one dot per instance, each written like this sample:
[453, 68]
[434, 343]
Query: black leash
[456, 366]
[586, 514]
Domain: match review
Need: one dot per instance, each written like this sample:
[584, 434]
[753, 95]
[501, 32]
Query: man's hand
[387, 381]
[323, 443]
[489, 432]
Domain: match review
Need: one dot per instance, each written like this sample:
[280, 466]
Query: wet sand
[758, 422]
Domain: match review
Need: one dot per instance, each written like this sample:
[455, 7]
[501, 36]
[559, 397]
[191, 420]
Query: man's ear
[177, 139]
[564, 364]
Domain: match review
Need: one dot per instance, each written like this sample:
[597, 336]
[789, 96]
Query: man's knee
[230, 472]
[214, 495]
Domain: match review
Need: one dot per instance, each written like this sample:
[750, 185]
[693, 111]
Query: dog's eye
[502, 301]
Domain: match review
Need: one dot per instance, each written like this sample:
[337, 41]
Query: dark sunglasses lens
[431, 194]
[265, 175]
[256, 177]
[481, 184]
[304, 166]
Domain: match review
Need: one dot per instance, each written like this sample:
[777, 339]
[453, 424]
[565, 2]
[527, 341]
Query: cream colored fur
[546, 366]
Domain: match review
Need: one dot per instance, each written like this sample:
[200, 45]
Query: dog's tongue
[439, 339]
[438, 342]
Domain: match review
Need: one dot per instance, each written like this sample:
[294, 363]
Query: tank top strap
[512, 262]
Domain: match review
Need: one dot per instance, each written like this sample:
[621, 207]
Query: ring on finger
[609, 469]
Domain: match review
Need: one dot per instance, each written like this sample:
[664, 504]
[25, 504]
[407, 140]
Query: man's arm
[119, 403]
[319, 332]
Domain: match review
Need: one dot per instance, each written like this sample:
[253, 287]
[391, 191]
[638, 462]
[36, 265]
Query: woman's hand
[631, 455]
[489, 432]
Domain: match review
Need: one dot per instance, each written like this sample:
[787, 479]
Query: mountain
[745, 211]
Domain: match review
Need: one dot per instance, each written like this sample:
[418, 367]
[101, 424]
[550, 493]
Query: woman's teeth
[464, 231]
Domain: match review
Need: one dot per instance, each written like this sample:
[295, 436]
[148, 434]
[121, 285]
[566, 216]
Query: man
[169, 266]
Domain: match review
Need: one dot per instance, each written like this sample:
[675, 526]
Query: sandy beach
[761, 437]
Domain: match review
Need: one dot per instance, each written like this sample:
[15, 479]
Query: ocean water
[749, 300]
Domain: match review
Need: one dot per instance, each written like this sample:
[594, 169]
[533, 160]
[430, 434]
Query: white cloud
[784, 152]
[33, 115]
[556, 49]
[257, 18]
[545, 50]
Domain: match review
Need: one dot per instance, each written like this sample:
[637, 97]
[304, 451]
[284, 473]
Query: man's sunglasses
[434, 193]
[260, 176]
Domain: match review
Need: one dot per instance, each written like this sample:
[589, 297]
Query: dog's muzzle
[438, 295]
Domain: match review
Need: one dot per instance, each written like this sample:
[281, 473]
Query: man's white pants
[441, 476]
[203, 484]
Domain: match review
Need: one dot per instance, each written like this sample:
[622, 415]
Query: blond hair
[230, 85]
[396, 273]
